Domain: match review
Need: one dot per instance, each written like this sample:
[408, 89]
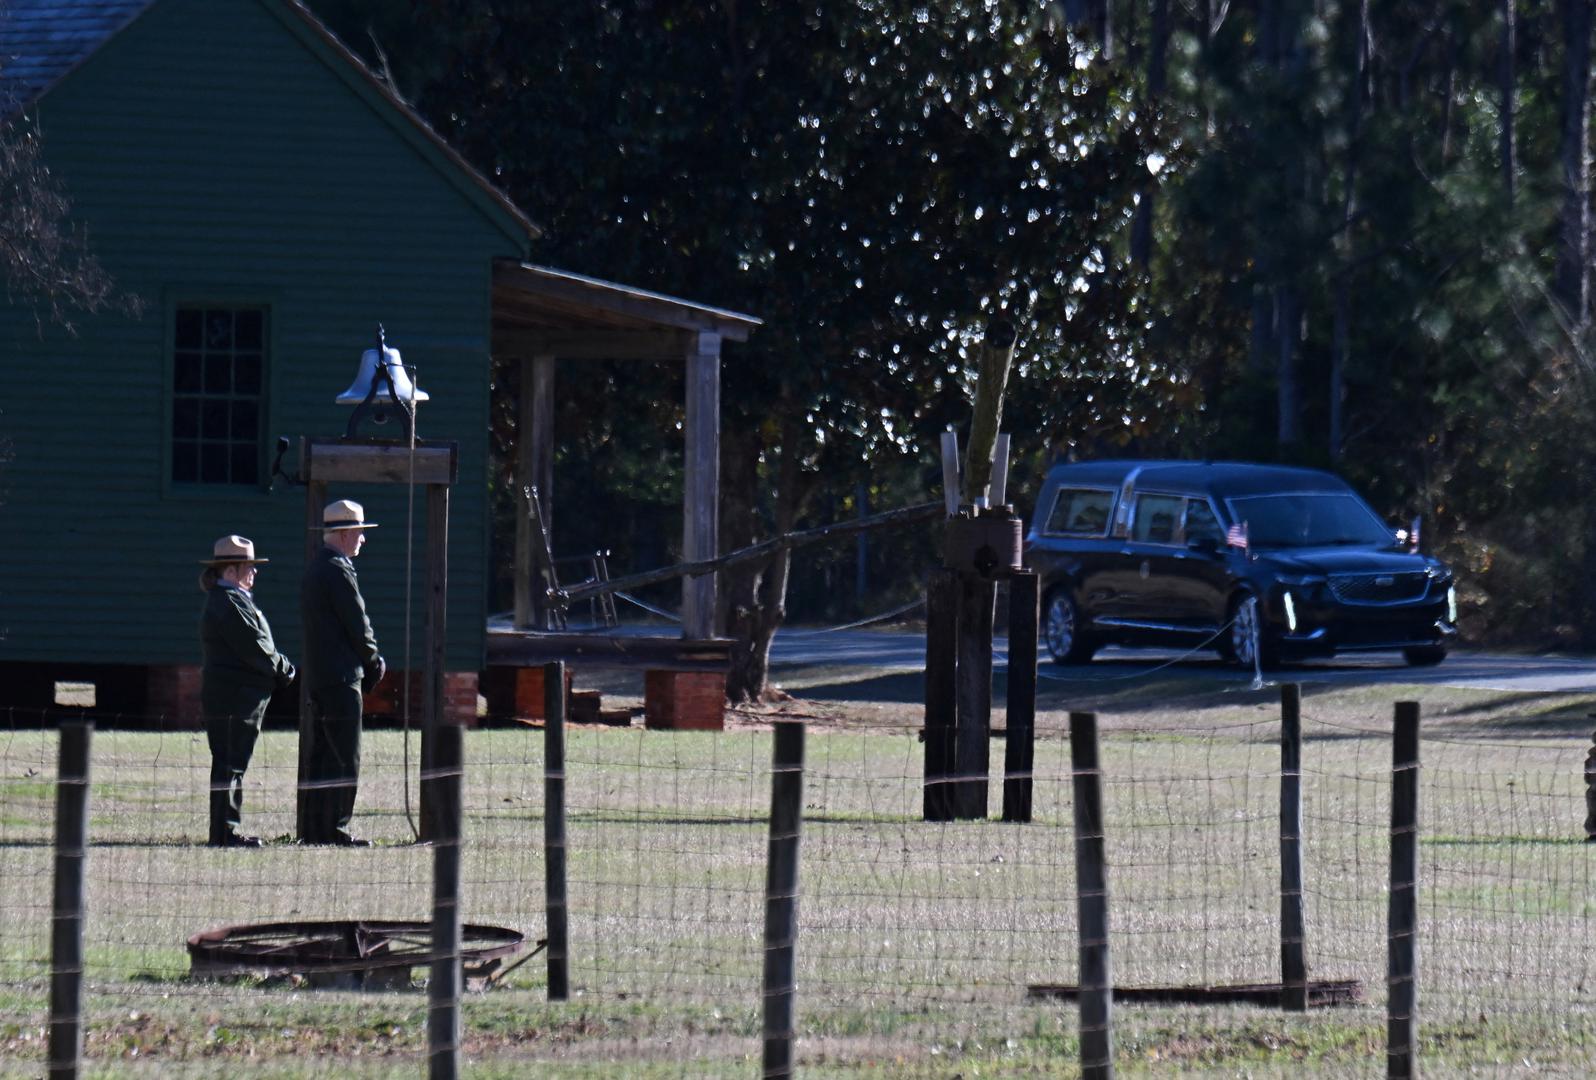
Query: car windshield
[1309, 519]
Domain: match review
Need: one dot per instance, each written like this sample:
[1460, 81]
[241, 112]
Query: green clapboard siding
[215, 154]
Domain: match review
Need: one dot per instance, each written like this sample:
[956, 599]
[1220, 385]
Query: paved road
[1465, 668]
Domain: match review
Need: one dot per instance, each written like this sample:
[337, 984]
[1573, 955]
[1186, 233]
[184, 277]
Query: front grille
[1378, 589]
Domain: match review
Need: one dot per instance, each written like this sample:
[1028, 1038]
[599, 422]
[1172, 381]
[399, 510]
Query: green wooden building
[272, 202]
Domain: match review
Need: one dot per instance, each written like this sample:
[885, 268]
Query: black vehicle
[1224, 554]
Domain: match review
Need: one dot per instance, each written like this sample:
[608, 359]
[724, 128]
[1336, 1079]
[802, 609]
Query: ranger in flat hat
[341, 663]
[241, 669]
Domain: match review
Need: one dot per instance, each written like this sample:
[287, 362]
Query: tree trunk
[1572, 285]
[758, 605]
[1341, 324]
[1288, 322]
[1508, 74]
[1142, 226]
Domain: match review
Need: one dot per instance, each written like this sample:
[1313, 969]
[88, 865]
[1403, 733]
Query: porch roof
[544, 311]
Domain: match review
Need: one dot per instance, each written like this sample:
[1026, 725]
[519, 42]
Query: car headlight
[1300, 580]
[1434, 571]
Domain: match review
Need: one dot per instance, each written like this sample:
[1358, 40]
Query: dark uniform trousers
[233, 716]
[333, 767]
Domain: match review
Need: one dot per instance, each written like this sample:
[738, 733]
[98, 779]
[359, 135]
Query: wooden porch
[541, 316]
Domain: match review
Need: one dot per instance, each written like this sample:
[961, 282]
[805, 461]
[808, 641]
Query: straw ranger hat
[345, 514]
[233, 549]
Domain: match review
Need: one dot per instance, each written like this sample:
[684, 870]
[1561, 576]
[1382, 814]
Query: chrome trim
[1119, 521]
[1311, 635]
[1336, 581]
[1137, 624]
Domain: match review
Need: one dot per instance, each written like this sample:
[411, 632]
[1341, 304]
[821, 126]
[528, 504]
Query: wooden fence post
[781, 898]
[66, 927]
[1019, 750]
[1091, 901]
[972, 744]
[554, 844]
[1402, 973]
[443, 985]
[941, 691]
[1293, 926]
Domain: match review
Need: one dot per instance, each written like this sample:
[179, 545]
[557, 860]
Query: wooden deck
[529, 648]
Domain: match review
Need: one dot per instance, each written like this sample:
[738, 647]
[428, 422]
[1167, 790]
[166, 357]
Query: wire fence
[923, 948]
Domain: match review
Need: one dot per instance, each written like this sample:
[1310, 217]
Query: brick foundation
[517, 691]
[685, 700]
[459, 697]
[172, 697]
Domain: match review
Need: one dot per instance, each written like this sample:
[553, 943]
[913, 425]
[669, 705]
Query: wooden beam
[597, 345]
[701, 491]
[333, 461]
[599, 650]
[534, 464]
[435, 821]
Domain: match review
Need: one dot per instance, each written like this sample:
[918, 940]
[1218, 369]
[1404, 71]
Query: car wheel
[1247, 634]
[1061, 630]
[1425, 655]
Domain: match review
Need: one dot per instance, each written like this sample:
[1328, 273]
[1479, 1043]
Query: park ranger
[341, 663]
[241, 669]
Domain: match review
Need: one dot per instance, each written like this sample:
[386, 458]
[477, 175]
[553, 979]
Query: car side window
[1201, 522]
[1157, 519]
[1080, 512]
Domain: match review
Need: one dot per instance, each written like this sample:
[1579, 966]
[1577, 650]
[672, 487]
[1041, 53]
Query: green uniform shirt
[339, 644]
[236, 642]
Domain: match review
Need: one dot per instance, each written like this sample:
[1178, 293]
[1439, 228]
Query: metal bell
[403, 389]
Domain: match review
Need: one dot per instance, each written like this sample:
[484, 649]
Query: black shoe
[343, 839]
[237, 840]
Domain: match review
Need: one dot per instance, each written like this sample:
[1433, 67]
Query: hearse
[1263, 563]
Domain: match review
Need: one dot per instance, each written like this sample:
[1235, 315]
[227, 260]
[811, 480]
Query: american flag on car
[1236, 535]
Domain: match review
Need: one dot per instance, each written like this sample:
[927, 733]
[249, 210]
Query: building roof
[539, 309]
[41, 41]
[44, 41]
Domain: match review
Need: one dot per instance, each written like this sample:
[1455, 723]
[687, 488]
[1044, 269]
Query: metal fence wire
[922, 948]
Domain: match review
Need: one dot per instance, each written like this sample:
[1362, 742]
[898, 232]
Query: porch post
[701, 490]
[534, 464]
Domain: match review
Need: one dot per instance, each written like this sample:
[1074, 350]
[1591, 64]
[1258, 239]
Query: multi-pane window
[218, 378]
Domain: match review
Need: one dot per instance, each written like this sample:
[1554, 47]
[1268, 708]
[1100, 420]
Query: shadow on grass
[1096, 686]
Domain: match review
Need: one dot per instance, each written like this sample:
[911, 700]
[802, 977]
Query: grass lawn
[917, 941]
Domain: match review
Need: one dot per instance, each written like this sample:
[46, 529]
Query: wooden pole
[973, 742]
[701, 498]
[1019, 749]
[952, 492]
[432, 678]
[315, 499]
[1091, 901]
[781, 898]
[534, 444]
[556, 913]
[66, 927]
[1000, 471]
[941, 692]
[1293, 926]
[443, 986]
[1402, 970]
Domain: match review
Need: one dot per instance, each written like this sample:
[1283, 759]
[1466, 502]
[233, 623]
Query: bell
[403, 389]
